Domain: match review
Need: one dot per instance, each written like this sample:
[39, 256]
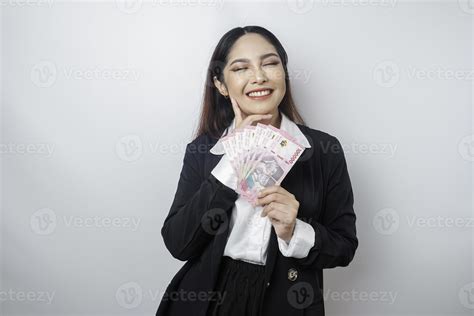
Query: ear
[221, 87]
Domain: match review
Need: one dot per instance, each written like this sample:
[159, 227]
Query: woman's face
[253, 63]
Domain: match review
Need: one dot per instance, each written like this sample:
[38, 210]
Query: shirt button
[268, 284]
[292, 274]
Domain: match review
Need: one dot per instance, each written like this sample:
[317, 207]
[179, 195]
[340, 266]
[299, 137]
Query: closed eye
[269, 64]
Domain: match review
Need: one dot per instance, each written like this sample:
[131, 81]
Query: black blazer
[196, 230]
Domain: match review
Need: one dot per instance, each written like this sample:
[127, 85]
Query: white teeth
[259, 93]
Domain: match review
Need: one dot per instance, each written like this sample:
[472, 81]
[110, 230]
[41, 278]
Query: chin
[254, 111]
[258, 109]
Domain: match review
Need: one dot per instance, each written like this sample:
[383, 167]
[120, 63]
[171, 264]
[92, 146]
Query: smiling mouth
[260, 94]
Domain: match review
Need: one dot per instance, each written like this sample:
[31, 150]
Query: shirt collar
[286, 125]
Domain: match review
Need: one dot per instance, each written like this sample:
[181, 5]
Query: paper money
[261, 156]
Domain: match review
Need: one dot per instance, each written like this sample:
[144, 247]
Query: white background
[99, 100]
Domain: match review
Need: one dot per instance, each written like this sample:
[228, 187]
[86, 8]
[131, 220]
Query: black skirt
[241, 285]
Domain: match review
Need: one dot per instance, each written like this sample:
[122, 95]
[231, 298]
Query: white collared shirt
[249, 232]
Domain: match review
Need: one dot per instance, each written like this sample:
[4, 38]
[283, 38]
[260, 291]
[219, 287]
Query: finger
[237, 112]
[279, 216]
[256, 117]
[274, 189]
[274, 206]
[275, 197]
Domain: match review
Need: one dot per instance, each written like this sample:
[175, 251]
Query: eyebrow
[245, 60]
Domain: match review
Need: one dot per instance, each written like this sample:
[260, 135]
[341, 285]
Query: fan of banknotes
[261, 156]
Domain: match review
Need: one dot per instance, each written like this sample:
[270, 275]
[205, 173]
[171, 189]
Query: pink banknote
[261, 156]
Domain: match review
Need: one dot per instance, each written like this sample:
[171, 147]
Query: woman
[265, 259]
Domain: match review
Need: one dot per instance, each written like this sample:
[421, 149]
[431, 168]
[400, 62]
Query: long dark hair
[217, 113]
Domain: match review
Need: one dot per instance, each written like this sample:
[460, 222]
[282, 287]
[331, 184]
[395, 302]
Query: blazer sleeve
[335, 234]
[184, 231]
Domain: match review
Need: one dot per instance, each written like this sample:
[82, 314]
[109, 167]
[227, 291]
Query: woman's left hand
[281, 207]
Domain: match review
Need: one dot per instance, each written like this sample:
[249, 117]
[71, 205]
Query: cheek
[278, 78]
[236, 83]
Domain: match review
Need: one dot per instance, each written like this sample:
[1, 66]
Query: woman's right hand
[240, 122]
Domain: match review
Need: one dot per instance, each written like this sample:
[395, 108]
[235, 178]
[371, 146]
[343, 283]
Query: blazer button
[292, 274]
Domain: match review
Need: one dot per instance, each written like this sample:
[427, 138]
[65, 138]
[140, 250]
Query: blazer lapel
[271, 255]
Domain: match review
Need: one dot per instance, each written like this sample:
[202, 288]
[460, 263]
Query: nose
[260, 76]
